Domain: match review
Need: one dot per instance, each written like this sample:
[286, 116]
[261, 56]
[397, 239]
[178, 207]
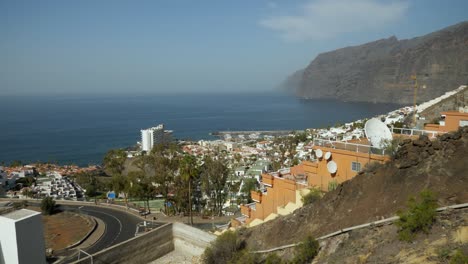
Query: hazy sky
[179, 46]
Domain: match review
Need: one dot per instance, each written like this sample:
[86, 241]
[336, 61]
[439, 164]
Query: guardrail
[345, 230]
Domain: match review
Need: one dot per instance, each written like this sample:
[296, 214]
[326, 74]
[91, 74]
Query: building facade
[452, 120]
[153, 136]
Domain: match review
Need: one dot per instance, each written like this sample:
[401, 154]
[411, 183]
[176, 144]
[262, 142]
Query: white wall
[22, 241]
[8, 241]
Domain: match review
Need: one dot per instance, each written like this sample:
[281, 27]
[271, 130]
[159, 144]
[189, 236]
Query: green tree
[214, 176]
[141, 186]
[114, 161]
[114, 164]
[121, 184]
[188, 171]
[164, 161]
[419, 217]
[250, 184]
[89, 182]
[48, 205]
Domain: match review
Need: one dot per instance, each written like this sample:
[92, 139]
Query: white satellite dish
[318, 153]
[327, 155]
[332, 167]
[377, 133]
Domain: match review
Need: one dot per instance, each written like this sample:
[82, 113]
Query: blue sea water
[80, 129]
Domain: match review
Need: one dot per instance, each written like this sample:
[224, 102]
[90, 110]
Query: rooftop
[20, 214]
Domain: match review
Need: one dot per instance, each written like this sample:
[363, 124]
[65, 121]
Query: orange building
[284, 192]
[348, 164]
[452, 121]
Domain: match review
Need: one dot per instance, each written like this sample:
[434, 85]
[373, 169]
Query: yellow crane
[415, 87]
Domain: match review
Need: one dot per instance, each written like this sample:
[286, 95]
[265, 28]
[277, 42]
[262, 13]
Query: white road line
[120, 223]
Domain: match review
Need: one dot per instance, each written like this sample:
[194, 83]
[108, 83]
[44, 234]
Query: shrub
[244, 257]
[459, 258]
[311, 197]
[392, 146]
[419, 217]
[273, 258]
[223, 249]
[48, 205]
[332, 185]
[306, 251]
[443, 254]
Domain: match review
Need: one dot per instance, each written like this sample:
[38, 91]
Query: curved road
[120, 226]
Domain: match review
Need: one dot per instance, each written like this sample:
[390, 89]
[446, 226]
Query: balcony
[268, 179]
[256, 196]
[246, 209]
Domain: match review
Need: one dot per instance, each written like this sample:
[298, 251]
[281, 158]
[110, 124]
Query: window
[355, 166]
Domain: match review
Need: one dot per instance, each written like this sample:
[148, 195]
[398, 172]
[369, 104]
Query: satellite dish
[318, 153]
[332, 167]
[327, 155]
[377, 133]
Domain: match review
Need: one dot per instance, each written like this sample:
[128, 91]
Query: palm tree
[188, 171]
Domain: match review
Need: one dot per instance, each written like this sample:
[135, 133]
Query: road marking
[120, 224]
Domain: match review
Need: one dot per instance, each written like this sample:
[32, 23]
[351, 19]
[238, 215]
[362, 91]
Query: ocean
[80, 129]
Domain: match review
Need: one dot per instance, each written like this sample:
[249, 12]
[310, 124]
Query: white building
[22, 238]
[153, 136]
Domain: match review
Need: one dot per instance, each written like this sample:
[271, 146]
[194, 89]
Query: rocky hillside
[380, 245]
[377, 192]
[380, 71]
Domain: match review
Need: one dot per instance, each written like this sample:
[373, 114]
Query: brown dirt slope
[441, 166]
[380, 245]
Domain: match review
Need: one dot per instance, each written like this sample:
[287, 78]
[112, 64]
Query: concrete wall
[141, 249]
[30, 235]
[190, 240]
[8, 241]
[22, 238]
[155, 244]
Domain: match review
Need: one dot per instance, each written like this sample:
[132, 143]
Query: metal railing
[414, 132]
[343, 145]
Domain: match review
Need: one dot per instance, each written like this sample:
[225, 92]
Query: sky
[140, 47]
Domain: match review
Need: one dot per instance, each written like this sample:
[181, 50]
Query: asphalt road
[120, 226]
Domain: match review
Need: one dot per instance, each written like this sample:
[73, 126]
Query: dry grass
[64, 228]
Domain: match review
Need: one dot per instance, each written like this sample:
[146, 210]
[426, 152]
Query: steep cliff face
[380, 71]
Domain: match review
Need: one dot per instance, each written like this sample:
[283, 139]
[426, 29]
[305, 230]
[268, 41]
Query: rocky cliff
[380, 71]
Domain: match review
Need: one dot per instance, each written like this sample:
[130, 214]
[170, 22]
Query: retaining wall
[141, 249]
[155, 244]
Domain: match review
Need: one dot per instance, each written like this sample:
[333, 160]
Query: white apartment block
[154, 135]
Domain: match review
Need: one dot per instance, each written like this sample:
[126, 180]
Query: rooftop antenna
[377, 133]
